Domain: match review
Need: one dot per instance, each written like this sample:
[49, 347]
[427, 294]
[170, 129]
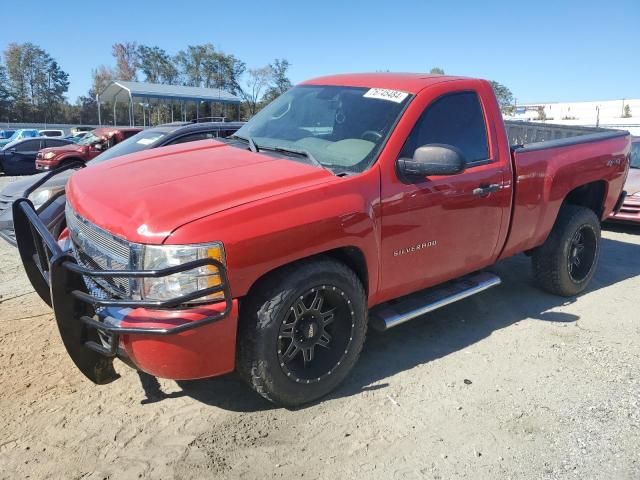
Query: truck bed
[520, 134]
[547, 170]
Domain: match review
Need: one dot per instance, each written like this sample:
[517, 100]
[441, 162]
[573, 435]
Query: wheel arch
[591, 195]
[351, 256]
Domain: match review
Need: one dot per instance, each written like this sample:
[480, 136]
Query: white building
[623, 114]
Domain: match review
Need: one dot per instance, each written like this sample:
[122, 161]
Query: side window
[193, 137]
[456, 119]
[28, 146]
[52, 143]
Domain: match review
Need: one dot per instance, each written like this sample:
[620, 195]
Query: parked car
[6, 134]
[92, 145]
[340, 202]
[51, 133]
[18, 157]
[19, 135]
[630, 210]
[47, 195]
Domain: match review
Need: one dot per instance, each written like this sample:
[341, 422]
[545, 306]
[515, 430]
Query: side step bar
[391, 314]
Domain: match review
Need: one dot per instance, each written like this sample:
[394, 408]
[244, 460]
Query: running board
[391, 314]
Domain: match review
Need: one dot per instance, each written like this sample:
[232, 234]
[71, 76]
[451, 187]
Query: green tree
[57, 84]
[126, 55]
[156, 65]
[35, 82]
[436, 71]
[504, 96]
[5, 95]
[280, 82]
[193, 63]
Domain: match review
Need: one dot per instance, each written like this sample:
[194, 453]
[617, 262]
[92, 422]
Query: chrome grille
[98, 249]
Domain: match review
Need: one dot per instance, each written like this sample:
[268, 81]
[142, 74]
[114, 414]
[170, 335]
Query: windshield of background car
[89, 139]
[635, 155]
[344, 128]
[140, 141]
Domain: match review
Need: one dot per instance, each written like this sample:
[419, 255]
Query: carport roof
[122, 91]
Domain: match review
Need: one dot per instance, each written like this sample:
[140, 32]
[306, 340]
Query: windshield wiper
[301, 152]
[252, 145]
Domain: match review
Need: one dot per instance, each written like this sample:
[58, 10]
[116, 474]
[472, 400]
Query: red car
[350, 200]
[91, 145]
[630, 210]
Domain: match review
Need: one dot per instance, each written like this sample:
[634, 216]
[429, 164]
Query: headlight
[49, 155]
[42, 195]
[156, 257]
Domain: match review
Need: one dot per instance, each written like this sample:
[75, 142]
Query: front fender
[261, 236]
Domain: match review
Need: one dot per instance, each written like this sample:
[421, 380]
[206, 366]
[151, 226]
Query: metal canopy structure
[131, 93]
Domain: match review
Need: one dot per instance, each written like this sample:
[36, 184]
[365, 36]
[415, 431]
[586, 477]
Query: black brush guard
[58, 278]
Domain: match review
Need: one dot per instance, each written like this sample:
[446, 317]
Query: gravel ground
[512, 383]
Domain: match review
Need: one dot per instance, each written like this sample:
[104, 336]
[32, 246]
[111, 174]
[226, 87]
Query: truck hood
[145, 196]
[71, 148]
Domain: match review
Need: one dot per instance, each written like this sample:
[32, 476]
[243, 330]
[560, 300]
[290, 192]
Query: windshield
[343, 128]
[140, 141]
[635, 155]
[89, 139]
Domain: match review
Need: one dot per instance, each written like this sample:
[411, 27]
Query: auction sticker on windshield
[385, 94]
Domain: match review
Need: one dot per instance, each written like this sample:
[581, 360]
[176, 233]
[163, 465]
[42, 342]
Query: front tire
[301, 331]
[565, 264]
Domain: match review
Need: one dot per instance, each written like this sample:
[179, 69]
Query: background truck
[91, 145]
[349, 200]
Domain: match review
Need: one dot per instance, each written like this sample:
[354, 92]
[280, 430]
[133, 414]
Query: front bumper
[163, 338]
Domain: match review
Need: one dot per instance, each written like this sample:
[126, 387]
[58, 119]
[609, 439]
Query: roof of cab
[408, 82]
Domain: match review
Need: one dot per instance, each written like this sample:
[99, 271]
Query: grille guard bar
[47, 265]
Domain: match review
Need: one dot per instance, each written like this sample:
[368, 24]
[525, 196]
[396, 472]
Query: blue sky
[542, 50]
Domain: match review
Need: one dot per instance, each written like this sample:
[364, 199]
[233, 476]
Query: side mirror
[97, 146]
[432, 159]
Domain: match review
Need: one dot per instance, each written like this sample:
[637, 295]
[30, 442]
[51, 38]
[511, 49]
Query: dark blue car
[19, 157]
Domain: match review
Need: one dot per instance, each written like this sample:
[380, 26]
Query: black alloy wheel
[316, 334]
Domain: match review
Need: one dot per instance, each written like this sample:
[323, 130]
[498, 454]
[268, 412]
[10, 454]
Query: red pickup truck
[350, 200]
[91, 145]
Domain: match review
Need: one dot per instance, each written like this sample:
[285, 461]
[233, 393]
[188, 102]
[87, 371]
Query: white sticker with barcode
[385, 94]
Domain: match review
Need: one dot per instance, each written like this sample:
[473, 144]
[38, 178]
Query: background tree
[126, 55]
[156, 65]
[436, 71]
[192, 61]
[5, 95]
[35, 82]
[258, 80]
[627, 111]
[280, 82]
[504, 96]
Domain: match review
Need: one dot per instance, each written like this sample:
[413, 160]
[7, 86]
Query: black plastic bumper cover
[58, 279]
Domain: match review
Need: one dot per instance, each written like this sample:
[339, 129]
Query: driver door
[441, 227]
[24, 156]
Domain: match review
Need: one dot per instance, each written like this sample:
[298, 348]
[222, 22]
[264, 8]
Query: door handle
[486, 189]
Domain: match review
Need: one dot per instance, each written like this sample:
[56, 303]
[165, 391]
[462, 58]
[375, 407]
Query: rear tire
[301, 331]
[566, 262]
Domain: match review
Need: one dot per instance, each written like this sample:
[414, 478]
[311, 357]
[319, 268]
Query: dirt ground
[512, 383]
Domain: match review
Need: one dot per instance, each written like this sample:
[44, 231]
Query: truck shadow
[444, 331]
